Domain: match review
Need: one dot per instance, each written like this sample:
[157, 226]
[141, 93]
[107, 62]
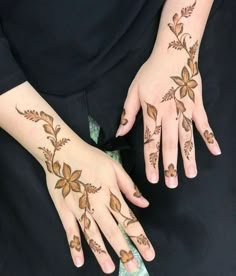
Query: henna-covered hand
[170, 93]
[84, 184]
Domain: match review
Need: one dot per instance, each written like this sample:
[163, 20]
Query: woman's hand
[168, 87]
[85, 185]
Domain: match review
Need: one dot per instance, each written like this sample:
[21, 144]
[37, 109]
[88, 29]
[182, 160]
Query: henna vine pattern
[115, 205]
[149, 136]
[68, 180]
[75, 243]
[186, 82]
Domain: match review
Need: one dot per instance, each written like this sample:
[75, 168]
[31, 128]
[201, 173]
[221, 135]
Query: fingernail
[131, 266]
[144, 200]
[78, 262]
[154, 178]
[192, 173]
[217, 151]
[149, 255]
[108, 266]
[120, 131]
[172, 182]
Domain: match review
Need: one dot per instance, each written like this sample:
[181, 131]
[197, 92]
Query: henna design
[115, 205]
[137, 193]
[209, 137]
[148, 135]
[75, 243]
[126, 256]
[171, 172]
[123, 121]
[68, 180]
[185, 83]
[141, 239]
[96, 247]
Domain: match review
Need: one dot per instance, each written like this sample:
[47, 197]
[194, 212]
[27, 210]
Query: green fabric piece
[142, 271]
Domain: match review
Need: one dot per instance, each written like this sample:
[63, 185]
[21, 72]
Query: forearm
[194, 27]
[28, 134]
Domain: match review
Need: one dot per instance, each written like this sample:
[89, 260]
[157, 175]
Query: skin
[108, 177]
[97, 178]
[171, 71]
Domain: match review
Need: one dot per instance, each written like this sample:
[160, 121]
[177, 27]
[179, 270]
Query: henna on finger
[171, 172]
[75, 243]
[123, 120]
[115, 205]
[141, 239]
[149, 136]
[209, 137]
[126, 256]
[137, 193]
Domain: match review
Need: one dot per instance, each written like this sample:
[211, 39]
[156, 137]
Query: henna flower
[186, 84]
[69, 181]
[171, 172]
[75, 243]
[126, 256]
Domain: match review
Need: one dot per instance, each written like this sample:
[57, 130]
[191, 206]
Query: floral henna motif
[171, 172]
[186, 82]
[68, 180]
[149, 136]
[209, 137]
[123, 120]
[126, 256]
[141, 239]
[75, 243]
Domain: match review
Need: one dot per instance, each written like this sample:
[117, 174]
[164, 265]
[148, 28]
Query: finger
[130, 110]
[202, 125]
[152, 134]
[128, 188]
[114, 236]
[170, 149]
[187, 146]
[132, 227]
[95, 241]
[72, 232]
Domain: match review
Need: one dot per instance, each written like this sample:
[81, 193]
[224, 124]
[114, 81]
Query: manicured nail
[154, 178]
[217, 151]
[144, 200]
[108, 267]
[149, 255]
[172, 182]
[192, 173]
[131, 266]
[78, 262]
[120, 131]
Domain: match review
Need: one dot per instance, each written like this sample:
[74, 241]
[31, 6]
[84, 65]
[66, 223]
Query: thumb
[130, 110]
